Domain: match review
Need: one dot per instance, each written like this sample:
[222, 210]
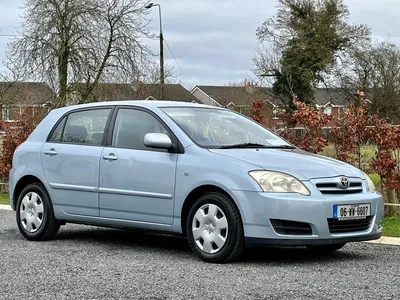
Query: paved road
[96, 263]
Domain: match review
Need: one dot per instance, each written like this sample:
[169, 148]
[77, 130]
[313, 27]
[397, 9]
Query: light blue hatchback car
[211, 174]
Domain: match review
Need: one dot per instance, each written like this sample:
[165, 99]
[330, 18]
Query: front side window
[85, 127]
[131, 126]
[217, 128]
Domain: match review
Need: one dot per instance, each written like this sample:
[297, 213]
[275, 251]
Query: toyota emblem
[344, 183]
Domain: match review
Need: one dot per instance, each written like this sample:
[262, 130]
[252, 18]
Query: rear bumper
[257, 242]
[12, 180]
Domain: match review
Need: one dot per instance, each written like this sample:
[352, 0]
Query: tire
[326, 249]
[214, 229]
[34, 214]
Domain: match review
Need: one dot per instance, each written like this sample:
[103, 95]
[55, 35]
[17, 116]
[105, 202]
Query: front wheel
[34, 213]
[214, 229]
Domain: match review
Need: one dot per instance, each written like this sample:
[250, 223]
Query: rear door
[70, 160]
[136, 182]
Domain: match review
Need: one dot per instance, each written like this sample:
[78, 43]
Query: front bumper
[255, 242]
[257, 209]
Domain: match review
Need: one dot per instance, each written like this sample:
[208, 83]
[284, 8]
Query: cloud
[214, 41]
[217, 35]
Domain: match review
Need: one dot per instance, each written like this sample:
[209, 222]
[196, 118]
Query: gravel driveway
[96, 263]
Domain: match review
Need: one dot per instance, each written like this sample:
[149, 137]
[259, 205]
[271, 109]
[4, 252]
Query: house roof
[245, 95]
[138, 91]
[239, 95]
[333, 96]
[25, 93]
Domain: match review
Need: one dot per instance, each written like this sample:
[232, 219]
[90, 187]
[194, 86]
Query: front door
[136, 182]
[70, 160]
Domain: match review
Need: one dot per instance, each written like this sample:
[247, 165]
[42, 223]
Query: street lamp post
[148, 6]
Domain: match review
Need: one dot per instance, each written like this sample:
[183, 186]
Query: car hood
[299, 163]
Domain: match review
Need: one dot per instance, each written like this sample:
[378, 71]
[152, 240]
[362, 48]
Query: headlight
[371, 184]
[275, 182]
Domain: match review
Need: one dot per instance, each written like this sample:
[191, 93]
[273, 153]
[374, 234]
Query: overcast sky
[214, 40]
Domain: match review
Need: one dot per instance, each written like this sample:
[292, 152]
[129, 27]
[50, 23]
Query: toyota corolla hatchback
[210, 174]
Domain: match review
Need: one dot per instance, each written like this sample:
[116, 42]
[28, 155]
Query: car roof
[139, 103]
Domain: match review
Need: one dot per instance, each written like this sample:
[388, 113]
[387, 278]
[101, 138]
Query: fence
[3, 188]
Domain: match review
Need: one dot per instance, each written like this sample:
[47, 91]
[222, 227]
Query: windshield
[217, 128]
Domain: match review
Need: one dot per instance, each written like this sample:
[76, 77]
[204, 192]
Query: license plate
[353, 211]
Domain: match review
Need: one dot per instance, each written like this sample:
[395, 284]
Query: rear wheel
[326, 249]
[34, 213]
[214, 229]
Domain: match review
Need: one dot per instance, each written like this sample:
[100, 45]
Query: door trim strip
[134, 193]
[83, 188]
[62, 186]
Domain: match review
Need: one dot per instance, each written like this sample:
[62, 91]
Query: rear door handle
[50, 152]
[110, 156]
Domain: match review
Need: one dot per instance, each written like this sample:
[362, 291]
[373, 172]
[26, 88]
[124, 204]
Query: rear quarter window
[57, 133]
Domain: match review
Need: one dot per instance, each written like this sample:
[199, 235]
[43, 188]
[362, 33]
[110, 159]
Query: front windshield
[217, 128]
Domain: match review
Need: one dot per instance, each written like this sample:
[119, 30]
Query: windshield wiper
[281, 147]
[255, 145]
[243, 145]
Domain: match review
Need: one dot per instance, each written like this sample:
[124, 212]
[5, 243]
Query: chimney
[250, 87]
[136, 85]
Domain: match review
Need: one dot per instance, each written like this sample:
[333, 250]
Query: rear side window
[86, 127]
[82, 127]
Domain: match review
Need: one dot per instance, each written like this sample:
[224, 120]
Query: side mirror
[157, 140]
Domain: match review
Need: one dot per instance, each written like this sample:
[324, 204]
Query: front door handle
[50, 152]
[110, 156]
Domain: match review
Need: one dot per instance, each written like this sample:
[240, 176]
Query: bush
[16, 133]
[376, 179]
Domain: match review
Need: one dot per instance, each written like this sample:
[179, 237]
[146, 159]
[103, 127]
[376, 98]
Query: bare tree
[8, 77]
[147, 72]
[375, 70]
[66, 41]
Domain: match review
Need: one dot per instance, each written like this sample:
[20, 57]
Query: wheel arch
[21, 184]
[195, 194]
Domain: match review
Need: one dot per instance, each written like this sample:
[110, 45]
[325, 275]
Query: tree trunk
[62, 79]
[391, 210]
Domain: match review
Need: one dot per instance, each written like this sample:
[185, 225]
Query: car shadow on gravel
[155, 242]
[121, 237]
[299, 255]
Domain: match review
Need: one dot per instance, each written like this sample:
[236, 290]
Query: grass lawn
[4, 199]
[367, 154]
[391, 227]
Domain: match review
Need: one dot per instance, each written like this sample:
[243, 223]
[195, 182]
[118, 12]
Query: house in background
[132, 91]
[240, 98]
[35, 98]
[14, 97]
[17, 96]
[333, 101]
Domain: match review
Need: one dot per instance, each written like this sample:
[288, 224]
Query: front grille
[332, 188]
[291, 227]
[336, 226]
